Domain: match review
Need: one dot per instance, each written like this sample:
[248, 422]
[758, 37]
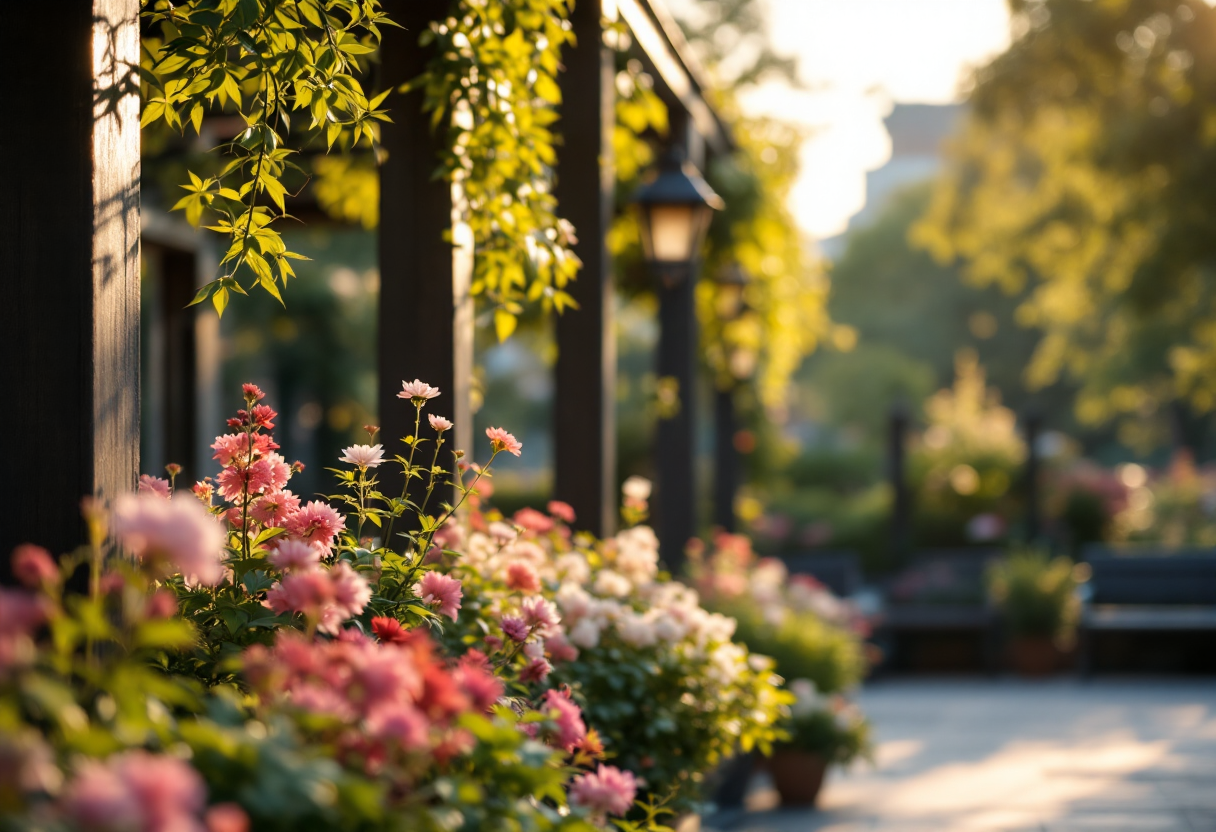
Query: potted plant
[823, 731]
[1037, 598]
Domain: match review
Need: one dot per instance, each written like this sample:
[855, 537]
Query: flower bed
[247, 659]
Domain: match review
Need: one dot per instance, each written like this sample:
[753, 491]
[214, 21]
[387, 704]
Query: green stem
[409, 466]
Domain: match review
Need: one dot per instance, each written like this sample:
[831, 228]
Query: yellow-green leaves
[261, 60]
[492, 87]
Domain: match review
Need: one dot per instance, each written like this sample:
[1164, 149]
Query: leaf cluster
[262, 61]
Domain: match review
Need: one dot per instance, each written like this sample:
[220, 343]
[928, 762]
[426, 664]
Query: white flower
[612, 583]
[365, 456]
[635, 630]
[638, 554]
[669, 629]
[417, 390]
[572, 567]
[636, 488]
[502, 533]
[585, 634]
[574, 601]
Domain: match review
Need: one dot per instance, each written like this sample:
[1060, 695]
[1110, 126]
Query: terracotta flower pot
[797, 775]
[1034, 656]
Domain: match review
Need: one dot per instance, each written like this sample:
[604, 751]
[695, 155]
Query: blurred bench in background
[1150, 590]
[937, 615]
[839, 571]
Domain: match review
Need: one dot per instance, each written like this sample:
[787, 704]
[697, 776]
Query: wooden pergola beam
[69, 266]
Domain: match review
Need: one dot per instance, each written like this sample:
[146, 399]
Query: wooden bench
[943, 593]
[839, 571]
[1146, 591]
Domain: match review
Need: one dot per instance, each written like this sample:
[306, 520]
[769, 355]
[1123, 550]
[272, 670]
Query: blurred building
[918, 134]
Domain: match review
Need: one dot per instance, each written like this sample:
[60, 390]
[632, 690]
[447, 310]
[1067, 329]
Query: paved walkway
[1058, 756]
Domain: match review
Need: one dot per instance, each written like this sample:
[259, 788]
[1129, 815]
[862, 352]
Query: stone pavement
[1056, 756]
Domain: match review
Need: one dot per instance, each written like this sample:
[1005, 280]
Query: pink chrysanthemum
[252, 391]
[438, 423]
[522, 576]
[514, 628]
[157, 486]
[171, 535]
[606, 791]
[273, 508]
[540, 615]
[442, 592]
[139, 791]
[351, 590]
[418, 391]
[562, 511]
[34, 566]
[567, 718]
[478, 681]
[295, 555]
[316, 522]
[536, 670]
[500, 440]
[533, 520]
[203, 490]
[326, 598]
[363, 456]
[560, 649]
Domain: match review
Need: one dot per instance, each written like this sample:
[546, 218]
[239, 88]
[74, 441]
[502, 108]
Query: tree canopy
[1085, 178]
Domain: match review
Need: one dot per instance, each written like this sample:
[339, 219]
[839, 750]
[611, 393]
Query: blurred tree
[1085, 179]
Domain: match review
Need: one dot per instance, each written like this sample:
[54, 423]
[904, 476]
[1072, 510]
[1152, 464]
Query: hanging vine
[264, 61]
[492, 85]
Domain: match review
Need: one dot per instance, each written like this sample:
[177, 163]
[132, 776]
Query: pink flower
[562, 511]
[226, 817]
[514, 628]
[500, 440]
[20, 614]
[252, 391]
[606, 791]
[171, 535]
[363, 456]
[351, 591]
[136, 790]
[400, 723]
[161, 604]
[533, 520]
[540, 615]
[149, 484]
[231, 448]
[278, 472]
[34, 566]
[536, 670]
[203, 490]
[273, 508]
[328, 598]
[560, 649]
[522, 576]
[317, 523]
[442, 591]
[567, 718]
[438, 423]
[479, 683]
[263, 416]
[418, 391]
[295, 555]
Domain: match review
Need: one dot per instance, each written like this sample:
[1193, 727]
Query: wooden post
[585, 376]
[675, 460]
[726, 459]
[69, 267]
[426, 314]
[901, 502]
[1033, 426]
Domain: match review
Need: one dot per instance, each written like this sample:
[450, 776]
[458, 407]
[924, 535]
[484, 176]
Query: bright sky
[857, 57]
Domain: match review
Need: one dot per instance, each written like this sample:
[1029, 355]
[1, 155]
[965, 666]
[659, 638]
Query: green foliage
[263, 60]
[1084, 177]
[1036, 594]
[802, 644]
[839, 736]
[492, 88]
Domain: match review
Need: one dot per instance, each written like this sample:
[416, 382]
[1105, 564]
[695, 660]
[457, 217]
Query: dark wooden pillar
[675, 486]
[726, 459]
[179, 273]
[1033, 426]
[585, 376]
[69, 267]
[901, 500]
[425, 317]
